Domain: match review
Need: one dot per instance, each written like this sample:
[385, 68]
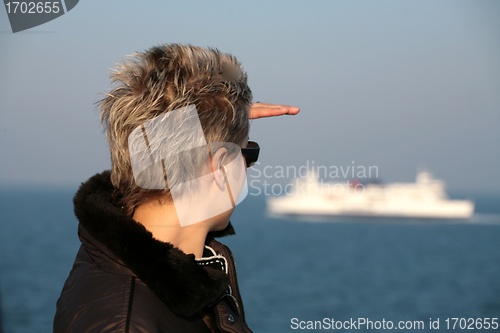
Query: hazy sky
[393, 84]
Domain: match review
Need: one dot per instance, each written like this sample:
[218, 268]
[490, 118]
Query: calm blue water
[341, 268]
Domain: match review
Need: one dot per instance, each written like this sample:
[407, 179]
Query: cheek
[237, 176]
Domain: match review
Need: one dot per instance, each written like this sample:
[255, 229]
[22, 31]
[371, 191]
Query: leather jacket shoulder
[124, 280]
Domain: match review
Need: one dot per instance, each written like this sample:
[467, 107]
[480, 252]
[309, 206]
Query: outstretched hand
[263, 110]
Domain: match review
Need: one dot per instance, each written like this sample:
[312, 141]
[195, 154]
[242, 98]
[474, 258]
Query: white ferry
[426, 198]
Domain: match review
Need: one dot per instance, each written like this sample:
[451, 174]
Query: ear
[219, 167]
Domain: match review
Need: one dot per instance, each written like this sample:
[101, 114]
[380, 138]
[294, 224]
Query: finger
[256, 113]
[263, 110]
[267, 105]
[292, 109]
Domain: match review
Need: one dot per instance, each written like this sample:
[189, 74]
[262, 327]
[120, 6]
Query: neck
[161, 220]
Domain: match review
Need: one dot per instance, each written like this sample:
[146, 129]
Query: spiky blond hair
[165, 78]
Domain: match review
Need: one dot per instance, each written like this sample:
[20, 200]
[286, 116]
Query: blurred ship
[426, 198]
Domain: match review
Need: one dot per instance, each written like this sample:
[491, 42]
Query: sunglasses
[251, 153]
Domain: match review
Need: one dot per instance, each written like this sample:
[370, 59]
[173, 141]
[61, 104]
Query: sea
[295, 274]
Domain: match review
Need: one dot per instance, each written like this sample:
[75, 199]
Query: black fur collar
[175, 278]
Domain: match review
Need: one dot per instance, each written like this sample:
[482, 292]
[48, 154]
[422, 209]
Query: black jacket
[124, 280]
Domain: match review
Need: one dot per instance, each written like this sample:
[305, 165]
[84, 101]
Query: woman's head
[166, 78]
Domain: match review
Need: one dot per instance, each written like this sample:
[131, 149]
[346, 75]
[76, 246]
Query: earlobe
[219, 168]
[220, 179]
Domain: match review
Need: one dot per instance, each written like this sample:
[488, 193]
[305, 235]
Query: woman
[149, 261]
